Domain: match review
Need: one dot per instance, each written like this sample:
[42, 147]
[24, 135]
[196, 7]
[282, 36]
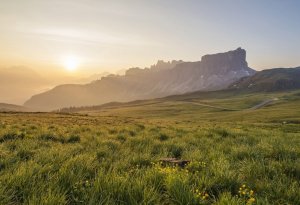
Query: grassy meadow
[111, 155]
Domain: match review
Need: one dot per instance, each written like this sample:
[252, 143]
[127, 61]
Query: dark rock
[174, 162]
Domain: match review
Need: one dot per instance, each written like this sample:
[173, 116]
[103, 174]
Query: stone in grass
[174, 162]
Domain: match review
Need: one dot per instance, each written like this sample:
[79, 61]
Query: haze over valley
[48, 44]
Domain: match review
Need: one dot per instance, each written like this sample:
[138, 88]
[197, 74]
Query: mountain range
[213, 72]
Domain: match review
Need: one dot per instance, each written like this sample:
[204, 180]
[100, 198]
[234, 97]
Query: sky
[93, 36]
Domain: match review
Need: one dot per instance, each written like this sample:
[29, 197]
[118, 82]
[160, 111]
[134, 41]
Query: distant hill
[277, 79]
[4, 107]
[213, 72]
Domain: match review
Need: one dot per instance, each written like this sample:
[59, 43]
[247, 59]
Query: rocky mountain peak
[229, 61]
[161, 65]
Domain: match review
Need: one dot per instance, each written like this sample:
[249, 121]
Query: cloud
[81, 36]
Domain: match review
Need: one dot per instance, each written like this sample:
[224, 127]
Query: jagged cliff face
[165, 78]
[226, 62]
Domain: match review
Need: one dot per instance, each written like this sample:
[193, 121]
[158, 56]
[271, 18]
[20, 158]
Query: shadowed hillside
[276, 79]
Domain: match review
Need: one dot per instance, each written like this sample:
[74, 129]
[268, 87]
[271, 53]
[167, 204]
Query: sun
[71, 63]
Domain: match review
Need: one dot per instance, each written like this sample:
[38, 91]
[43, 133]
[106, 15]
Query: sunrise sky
[93, 36]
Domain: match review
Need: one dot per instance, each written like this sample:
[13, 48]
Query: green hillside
[239, 153]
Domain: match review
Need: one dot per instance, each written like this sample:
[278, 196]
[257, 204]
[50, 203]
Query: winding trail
[255, 107]
[211, 106]
[263, 104]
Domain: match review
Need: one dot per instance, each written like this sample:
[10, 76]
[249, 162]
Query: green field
[110, 155]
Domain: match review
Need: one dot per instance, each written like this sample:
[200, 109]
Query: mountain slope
[4, 107]
[277, 79]
[213, 72]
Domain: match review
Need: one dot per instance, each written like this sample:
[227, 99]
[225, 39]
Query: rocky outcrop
[161, 65]
[213, 72]
[226, 62]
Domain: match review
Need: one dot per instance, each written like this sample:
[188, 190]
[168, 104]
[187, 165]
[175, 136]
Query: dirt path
[263, 104]
[211, 106]
[255, 107]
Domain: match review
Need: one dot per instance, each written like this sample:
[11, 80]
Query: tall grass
[79, 159]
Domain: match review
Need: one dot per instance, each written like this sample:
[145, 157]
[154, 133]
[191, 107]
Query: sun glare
[71, 63]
